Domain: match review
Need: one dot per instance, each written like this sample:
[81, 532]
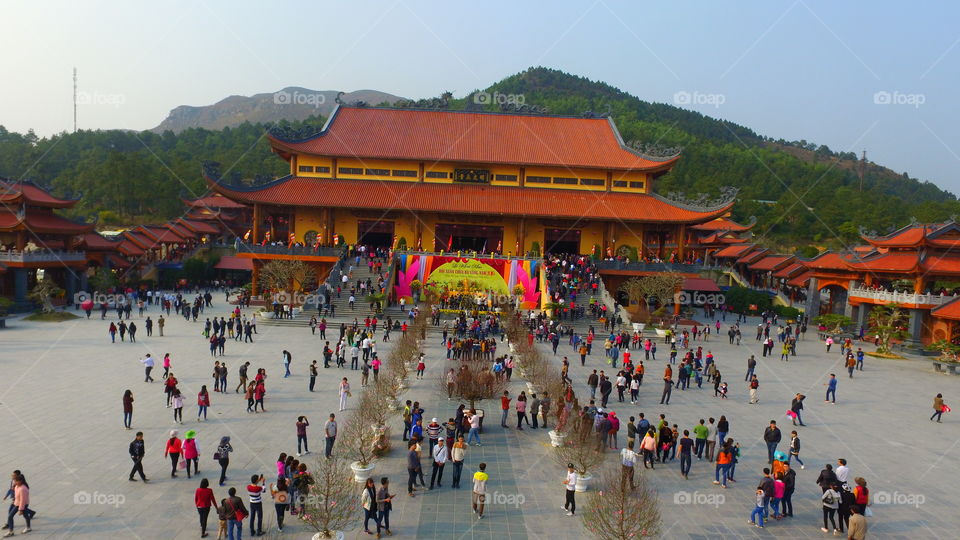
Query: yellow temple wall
[306, 219]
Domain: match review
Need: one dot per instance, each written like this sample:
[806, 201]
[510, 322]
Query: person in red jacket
[204, 498]
[173, 449]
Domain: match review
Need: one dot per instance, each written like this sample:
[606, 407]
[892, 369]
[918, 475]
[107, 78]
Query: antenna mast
[74, 100]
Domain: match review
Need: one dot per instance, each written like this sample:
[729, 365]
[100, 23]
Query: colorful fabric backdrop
[460, 273]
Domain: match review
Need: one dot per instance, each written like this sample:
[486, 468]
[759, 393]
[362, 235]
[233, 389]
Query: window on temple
[350, 170]
[322, 169]
[619, 183]
[397, 172]
[305, 168]
[591, 181]
[505, 178]
[437, 174]
[538, 179]
[564, 180]
[636, 185]
[378, 172]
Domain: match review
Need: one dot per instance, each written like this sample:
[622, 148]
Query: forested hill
[135, 177]
[718, 153]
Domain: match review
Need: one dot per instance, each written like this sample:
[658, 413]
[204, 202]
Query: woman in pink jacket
[21, 504]
[191, 451]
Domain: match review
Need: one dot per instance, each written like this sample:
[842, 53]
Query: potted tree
[415, 287]
[359, 435]
[582, 448]
[331, 507]
[617, 512]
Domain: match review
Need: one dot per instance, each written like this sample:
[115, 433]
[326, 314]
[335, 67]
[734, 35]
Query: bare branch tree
[332, 504]
[616, 512]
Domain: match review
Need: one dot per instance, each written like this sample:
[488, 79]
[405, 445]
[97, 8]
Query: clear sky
[792, 69]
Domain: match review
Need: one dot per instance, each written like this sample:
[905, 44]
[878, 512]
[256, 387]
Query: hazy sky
[798, 70]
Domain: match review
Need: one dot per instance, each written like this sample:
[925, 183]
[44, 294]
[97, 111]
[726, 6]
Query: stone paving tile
[60, 410]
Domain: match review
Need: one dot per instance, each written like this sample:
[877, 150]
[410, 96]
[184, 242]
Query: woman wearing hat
[191, 451]
[223, 457]
[173, 449]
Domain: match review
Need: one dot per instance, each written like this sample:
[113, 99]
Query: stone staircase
[342, 311]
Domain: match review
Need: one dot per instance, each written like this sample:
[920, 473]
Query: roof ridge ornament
[655, 151]
[701, 202]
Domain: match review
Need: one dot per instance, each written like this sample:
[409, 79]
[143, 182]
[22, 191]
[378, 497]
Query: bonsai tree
[103, 279]
[518, 290]
[535, 249]
[834, 322]
[332, 503]
[616, 512]
[376, 301]
[887, 322]
[289, 275]
[43, 293]
[948, 351]
[659, 288]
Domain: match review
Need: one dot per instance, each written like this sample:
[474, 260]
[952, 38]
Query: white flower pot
[361, 473]
[583, 482]
[556, 439]
[337, 535]
[661, 332]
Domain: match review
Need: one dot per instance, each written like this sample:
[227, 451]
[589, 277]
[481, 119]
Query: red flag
[293, 240]
[266, 238]
[450, 243]
[246, 236]
[499, 245]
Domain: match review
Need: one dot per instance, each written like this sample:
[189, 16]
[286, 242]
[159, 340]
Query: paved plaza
[60, 408]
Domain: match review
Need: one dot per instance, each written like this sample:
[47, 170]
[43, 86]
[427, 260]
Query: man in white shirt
[148, 367]
[571, 489]
[365, 345]
[439, 460]
[842, 471]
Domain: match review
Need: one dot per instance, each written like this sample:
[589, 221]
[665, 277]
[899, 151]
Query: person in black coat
[796, 406]
[827, 478]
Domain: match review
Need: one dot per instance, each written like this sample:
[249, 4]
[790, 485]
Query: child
[756, 517]
[699, 377]
[723, 390]
[223, 512]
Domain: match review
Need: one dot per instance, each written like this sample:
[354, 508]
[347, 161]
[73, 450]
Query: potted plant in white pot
[357, 443]
[581, 448]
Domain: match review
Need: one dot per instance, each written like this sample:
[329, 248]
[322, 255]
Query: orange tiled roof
[801, 280]
[198, 226]
[129, 248]
[11, 191]
[214, 200]
[473, 137]
[829, 261]
[790, 270]
[888, 262]
[722, 224]
[950, 310]
[941, 264]
[734, 251]
[470, 199]
[41, 222]
[96, 241]
[771, 262]
[752, 256]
